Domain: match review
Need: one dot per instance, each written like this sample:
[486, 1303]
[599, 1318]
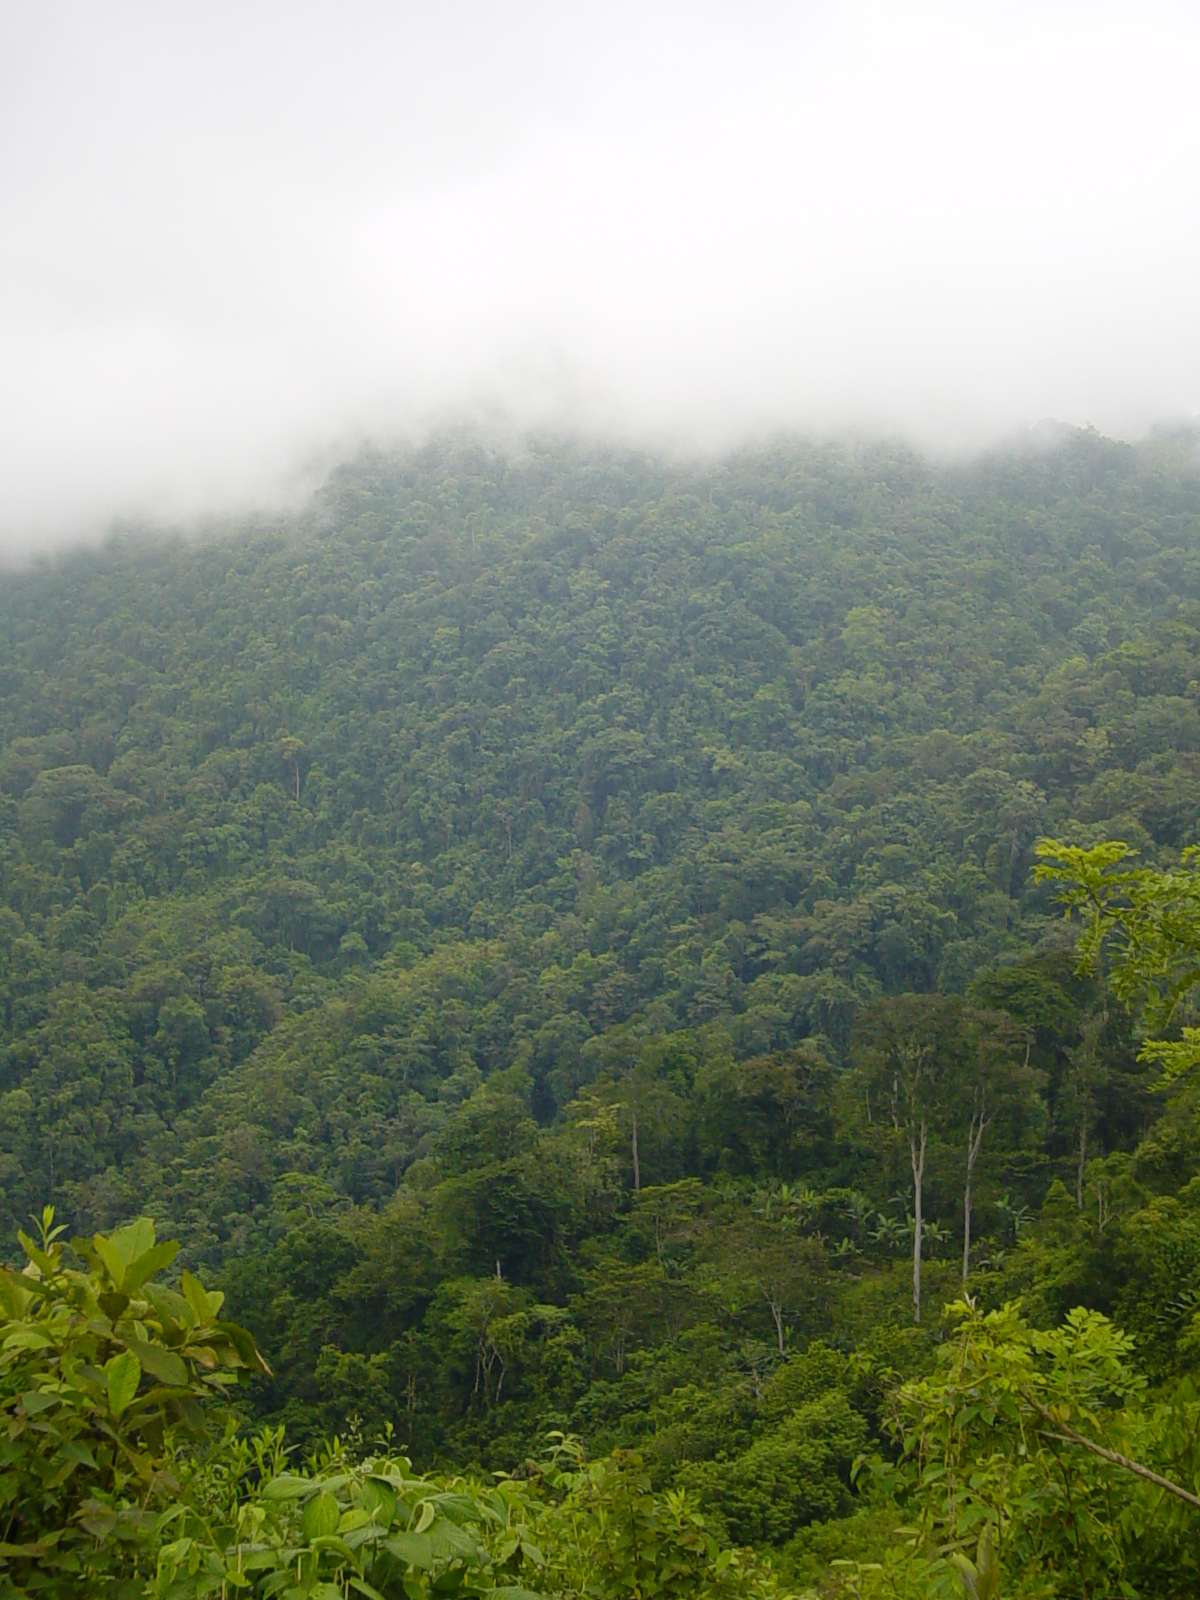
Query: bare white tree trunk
[1082, 1161]
[777, 1314]
[917, 1153]
[975, 1133]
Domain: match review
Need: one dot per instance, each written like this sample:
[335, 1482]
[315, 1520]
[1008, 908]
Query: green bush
[797, 1473]
[105, 1378]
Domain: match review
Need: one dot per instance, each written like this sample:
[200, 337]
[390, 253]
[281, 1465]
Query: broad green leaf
[174, 1332]
[28, 1338]
[287, 1486]
[122, 1374]
[197, 1297]
[379, 1499]
[414, 1548]
[321, 1516]
[261, 1560]
[112, 1258]
[36, 1254]
[449, 1542]
[463, 1507]
[150, 1262]
[35, 1400]
[133, 1240]
[162, 1364]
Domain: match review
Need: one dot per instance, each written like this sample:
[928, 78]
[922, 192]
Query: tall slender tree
[992, 1071]
[906, 1048]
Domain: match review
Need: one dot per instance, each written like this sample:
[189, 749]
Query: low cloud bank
[238, 241]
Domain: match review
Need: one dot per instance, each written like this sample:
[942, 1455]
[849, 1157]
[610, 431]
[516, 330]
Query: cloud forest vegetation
[573, 1025]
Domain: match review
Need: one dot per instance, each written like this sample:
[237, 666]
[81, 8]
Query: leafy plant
[1044, 1453]
[607, 1534]
[1147, 923]
[368, 1526]
[105, 1378]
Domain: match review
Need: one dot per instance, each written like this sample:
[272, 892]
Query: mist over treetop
[240, 244]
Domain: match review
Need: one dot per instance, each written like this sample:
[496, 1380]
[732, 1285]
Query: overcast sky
[235, 240]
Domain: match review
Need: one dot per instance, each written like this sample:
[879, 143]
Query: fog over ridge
[241, 239]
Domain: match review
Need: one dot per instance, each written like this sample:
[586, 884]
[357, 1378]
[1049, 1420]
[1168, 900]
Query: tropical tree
[906, 1048]
[785, 1269]
[1143, 925]
[992, 1078]
[606, 1533]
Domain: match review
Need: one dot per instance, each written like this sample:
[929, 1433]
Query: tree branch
[1069, 1436]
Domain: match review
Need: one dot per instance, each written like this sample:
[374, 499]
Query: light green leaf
[449, 1542]
[379, 1499]
[321, 1517]
[122, 1374]
[112, 1258]
[133, 1240]
[198, 1297]
[28, 1339]
[35, 1253]
[414, 1548]
[426, 1517]
[287, 1486]
[148, 1263]
[162, 1364]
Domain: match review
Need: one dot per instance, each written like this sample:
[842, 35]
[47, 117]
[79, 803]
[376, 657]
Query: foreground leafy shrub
[104, 1376]
[1041, 1462]
[255, 1526]
[371, 1526]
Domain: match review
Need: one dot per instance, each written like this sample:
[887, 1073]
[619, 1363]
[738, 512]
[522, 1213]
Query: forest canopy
[555, 937]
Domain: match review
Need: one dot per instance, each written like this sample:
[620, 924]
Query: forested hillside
[486, 916]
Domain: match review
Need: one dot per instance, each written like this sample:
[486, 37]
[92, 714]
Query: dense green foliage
[555, 938]
[101, 1370]
[116, 1477]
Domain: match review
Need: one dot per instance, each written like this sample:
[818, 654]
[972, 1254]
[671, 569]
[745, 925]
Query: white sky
[236, 239]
